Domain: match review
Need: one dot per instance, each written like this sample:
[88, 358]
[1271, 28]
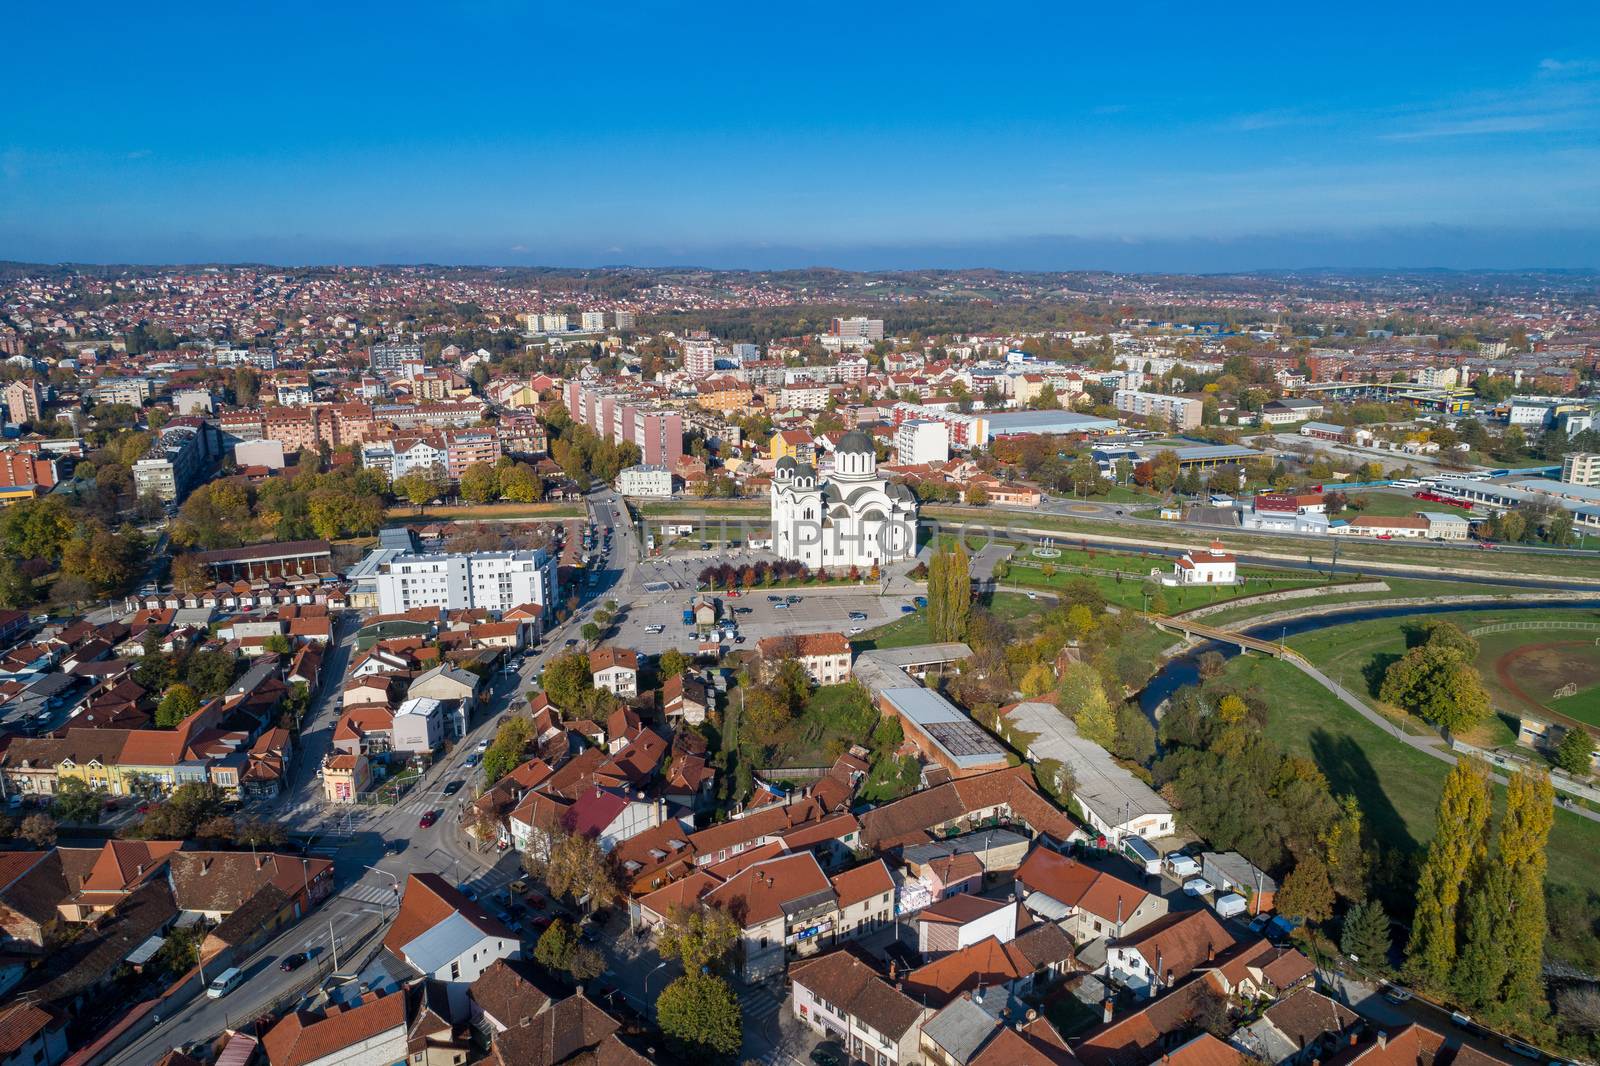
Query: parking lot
[814, 611]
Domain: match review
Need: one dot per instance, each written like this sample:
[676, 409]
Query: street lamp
[659, 966]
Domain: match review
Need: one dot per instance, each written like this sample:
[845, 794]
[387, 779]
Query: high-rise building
[1581, 468]
[625, 320]
[1181, 412]
[857, 330]
[699, 357]
[490, 581]
[594, 321]
[553, 323]
[24, 400]
[393, 356]
[921, 440]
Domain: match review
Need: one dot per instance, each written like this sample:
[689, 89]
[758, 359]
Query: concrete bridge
[1201, 631]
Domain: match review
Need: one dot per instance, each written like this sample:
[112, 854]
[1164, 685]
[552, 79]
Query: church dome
[786, 463]
[855, 443]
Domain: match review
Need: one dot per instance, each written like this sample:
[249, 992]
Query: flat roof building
[943, 732]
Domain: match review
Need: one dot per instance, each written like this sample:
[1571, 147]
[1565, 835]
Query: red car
[1486, 546]
[427, 819]
[542, 922]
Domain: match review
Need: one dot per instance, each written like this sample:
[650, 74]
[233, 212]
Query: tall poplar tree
[949, 593]
[1459, 847]
[1530, 813]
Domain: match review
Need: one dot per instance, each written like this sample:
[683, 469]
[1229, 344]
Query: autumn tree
[1575, 753]
[480, 483]
[38, 830]
[700, 1013]
[699, 938]
[1457, 852]
[577, 867]
[949, 593]
[179, 703]
[189, 575]
[1306, 893]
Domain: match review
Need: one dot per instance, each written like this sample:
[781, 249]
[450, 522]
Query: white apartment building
[594, 321]
[625, 319]
[553, 323]
[858, 331]
[921, 440]
[645, 480]
[699, 357]
[491, 581]
[1181, 412]
[1581, 468]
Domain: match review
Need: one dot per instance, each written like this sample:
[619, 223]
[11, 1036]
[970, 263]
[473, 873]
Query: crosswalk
[760, 1007]
[371, 893]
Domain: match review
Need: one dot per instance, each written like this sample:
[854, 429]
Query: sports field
[1543, 671]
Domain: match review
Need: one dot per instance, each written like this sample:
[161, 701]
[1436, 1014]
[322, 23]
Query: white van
[225, 982]
[1182, 865]
[1230, 905]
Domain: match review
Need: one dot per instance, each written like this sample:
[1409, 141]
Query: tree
[578, 868]
[418, 487]
[76, 802]
[278, 643]
[179, 703]
[700, 1012]
[977, 495]
[1136, 737]
[16, 587]
[1038, 680]
[1365, 936]
[1096, 720]
[672, 663]
[189, 575]
[506, 752]
[1524, 834]
[1459, 847]
[480, 483]
[1576, 751]
[699, 938]
[38, 830]
[555, 947]
[520, 484]
[567, 678]
[1436, 682]
[949, 593]
[209, 673]
[1306, 893]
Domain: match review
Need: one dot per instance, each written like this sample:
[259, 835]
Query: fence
[1562, 781]
[1553, 623]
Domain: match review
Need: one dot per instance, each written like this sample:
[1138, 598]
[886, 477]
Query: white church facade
[853, 518]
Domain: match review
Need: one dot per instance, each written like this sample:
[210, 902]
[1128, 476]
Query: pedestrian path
[760, 1008]
[383, 894]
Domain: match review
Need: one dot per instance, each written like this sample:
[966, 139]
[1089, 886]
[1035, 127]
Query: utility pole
[334, 944]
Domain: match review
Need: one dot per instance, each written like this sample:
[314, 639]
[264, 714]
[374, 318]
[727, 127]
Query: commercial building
[645, 480]
[943, 732]
[1044, 423]
[1581, 468]
[1113, 800]
[311, 560]
[1177, 411]
[921, 440]
[491, 581]
[1286, 411]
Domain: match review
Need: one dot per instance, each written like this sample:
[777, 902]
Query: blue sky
[1140, 136]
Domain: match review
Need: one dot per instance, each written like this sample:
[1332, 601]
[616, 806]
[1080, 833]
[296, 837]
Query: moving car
[453, 787]
[427, 819]
[293, 962]
[483, 745]
[225, 982]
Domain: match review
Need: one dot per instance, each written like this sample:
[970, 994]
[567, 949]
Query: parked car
[427, 819]
[829, 1054]
[856, 631]
[774, 599]
[1197, 886]
[858, 616]
[906, 608]
[1396, 995]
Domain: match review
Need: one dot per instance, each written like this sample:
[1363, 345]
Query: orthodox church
[854, 518]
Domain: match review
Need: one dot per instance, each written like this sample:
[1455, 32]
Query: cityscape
[473, 592]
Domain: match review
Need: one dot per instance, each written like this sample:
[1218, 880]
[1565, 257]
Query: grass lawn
[1393, 504]
[1584, 706]
[1356, 655]
[1397, 786]
[911, 629]
[1398, 588]
[1352, 551]
[827, 725]
[1548, 661]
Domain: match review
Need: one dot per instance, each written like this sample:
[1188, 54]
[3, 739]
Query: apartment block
[1181, 412]
[491, 581]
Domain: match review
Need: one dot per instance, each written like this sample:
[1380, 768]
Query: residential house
[865, 898]
[419, 726]
[687, 697]
[825, 656]
[1035, 957]
[616, 670]
[843, 999]
[1162, 952]
[30, 1035]
[442, 934]
[960, 921]
[1087, 903]
[1303, 1027]
[785, 907]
